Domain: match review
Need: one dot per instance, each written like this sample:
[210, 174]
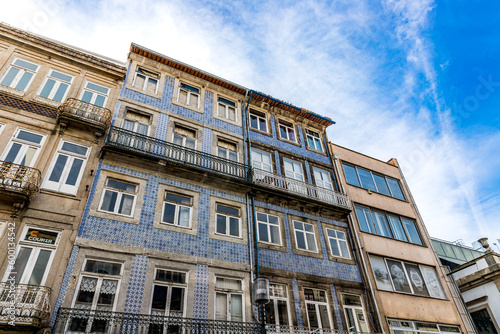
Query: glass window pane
[126, 204]
[221, 224]
[263, 235]
[411, 230]
[234, 226]
[381, 184]
[74, 172]
[275, 235]
[55, 176]
[102, 267]
[395, 188]
[184, 216]
[343, 248]
[121, 185]
[159, 301]
[177, 301]
[381, 224]
[168, 213]
[28, 136]
[28, 157]
[21, 261]
[364, 219]
[60, 92]
[61, 76]
[25, 79]
[47, 88]
[40, 266]
[325, 320]
[301, 241]
[220, 306]
[107, 293]
[311, 243]
[10, 76]
[97, 88]
[178, 198]
[397, 228]
[99, 100]
[350, 175]
[73, 148]
[109, 201]
[228, 210]
[14, 151]
[26, 65]
[283, 313]
[270, 316]
[87, 96]
[334, 247]
[236, 308]
[366, 179]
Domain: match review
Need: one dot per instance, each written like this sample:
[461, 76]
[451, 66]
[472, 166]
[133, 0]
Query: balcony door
[354, 313]
[318, 313]
[293, 170]
[139, 124]
[184, 138]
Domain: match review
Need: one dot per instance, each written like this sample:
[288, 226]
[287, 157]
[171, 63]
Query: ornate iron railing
[78, 320]
[24, 304]
[19, 178]
[274, 329]
[179, 154]
[86, 112]
[280, 182]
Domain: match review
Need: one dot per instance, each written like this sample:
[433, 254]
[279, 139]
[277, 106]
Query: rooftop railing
[176, 153]
[18, 178]
[86, 112]
[280, 182]
[24, 304]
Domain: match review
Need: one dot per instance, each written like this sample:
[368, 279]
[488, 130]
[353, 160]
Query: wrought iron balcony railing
[79, 320]
[24, 304]
[86, 112]
[280, 182]
[175, 153]
[274, 329]
[20, 179]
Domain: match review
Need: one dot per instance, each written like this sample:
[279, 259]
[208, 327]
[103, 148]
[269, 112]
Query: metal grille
[19, 178]
[25, 304]
[86, 111]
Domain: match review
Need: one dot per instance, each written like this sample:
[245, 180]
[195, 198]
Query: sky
[414, 80]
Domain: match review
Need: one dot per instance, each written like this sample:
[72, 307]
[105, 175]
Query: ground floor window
[228, 299]
[354, 313]
[484, 323]
[318, 313]
[415, 327]
[277, 308]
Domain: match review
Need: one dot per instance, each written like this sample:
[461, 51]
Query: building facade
[55, 103]
[203, 186]
[411, 290]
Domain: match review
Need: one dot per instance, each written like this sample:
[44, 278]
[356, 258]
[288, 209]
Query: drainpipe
[355, 233]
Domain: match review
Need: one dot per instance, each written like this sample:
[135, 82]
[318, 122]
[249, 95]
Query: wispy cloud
[367, 65]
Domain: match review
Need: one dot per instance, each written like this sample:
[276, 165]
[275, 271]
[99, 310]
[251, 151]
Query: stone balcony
[18, 184]
[84, 115]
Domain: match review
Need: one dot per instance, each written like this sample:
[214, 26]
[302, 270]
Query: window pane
[25, 79]
[395, 188]
[275, 235]
[411, 230]
[14, 150]
[55, 176]
[121, 185]
[263, 235]
[325, 320]
[47, 88]
[178, 198]
[177, 301]
[73, 148]
[220, 306]
[126, 204]
[99, 101]
[262, 124]
[311, 243]
[101, 267]
[381, 184]
[184, 216]
[28, 136]
[109, 201]
[366, 179]
[335, 248]
[28, 157]
[270, 316]
[61, 76]
[74, 172]
[25, 64]
[168, 213]
[381, 224]
[97, 88]
[364, 219]
[60, 92]
[236, 308]
[234, 226]
[221, 224]
[397, 228]
[159, 301]
[21, 261]
[301, 241]
[343, 248]
[283, 313]
[398, 276]
[11, 75]
[350, 175]
[87, 96]
[40, 266]
[312, 316]
[228, 210]
[107, 293]
[139, 81]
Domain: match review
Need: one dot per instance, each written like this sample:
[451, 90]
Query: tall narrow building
[56, 104]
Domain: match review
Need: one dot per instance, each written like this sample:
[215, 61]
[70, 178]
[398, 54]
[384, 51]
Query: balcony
[299, 188]
[26, 305]
[175, 154]
[79, 320]
[84, 115]
[18, 184]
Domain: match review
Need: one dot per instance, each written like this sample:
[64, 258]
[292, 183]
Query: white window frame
[95, 93]
[261, 162]
[36, 248]
[317, 303]
[338, 240]
[147, 76]
[100, 278]
[170, 285]
[310, 135]
[183, 137]
[56, 86]
[313, 233]
[226, 107]
[228, 293]
[268, 227]
[2, 126]
[414, 329]
[227, 150]
[60, 185]
[294, 173]
[20, 74]
[274, 301]
[322, 173]
[228, 216]
[259, 115]
[353, 309]
[177, 210]
[25, 145]
[287, 126]
[189, 93]
[119, 197]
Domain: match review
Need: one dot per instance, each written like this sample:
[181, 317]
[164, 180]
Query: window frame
[224, 140]
[288, 125]
[119, 197]
[305, 239]
[56, 86]
[177, 210]
[309, 133]
[19, 75]
[60, 185]
[226, 109]
[147, 77]
[170, 285]
[259, 115]
[95, 93]
[262, 153]
[268, 228]
[25, 145]
[413, 329]
[189, 93]
[317, 303]
[346, 240]
[227, 220]
[358, 329]
[229, 293]
[274, 301]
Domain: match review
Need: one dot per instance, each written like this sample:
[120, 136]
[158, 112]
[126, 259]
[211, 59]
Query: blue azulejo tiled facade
[244, 186]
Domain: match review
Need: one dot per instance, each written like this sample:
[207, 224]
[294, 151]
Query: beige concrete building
[56, 104]
[409, 287]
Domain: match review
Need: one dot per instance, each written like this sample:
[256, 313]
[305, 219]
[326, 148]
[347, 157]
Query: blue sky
[415, 80]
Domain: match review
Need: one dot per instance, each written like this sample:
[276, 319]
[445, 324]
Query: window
[338, 243]
[95, 94]
[411, 327]
[228, 299]
[66, 169]
[322, 178]
[19, 74]
[137, 123]
[23, 148]
[226, 109]
[268, 228]
[313, 140]
[354, 313]
[227, 220]
[168, 299]
[293, 170]
[387, 225]
[277, 308]
[177, 210]
[258, 120]
[262, 160]
[304, 236]
[227, 150]
[184, 137]
[287, 130]
[146, 80]
[483, 321]
[56, 86]
[97, 290]
[189, 95]
[318, 313]
[118, 197]
[411, 278]
[34, 255]
[374, 182]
